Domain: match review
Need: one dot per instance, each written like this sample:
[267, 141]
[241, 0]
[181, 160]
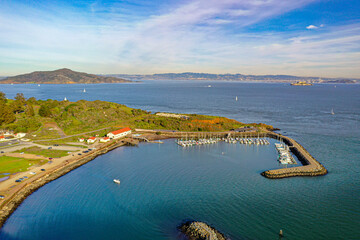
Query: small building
[105, 139]
[91, 140]
[2, 138]
[81, 140]
[20, 135]
[119, 133]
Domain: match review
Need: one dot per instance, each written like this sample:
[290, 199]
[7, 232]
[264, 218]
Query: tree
[44, 111]
[6, 114]
[29, 110]
[3, 98]
[19, 104]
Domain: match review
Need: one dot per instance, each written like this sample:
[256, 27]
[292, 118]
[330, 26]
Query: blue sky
[302, 37]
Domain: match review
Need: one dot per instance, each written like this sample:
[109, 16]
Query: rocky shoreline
[195, 230]
[9, 206]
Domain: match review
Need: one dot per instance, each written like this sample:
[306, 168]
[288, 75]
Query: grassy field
[44, 152]
[13, 164]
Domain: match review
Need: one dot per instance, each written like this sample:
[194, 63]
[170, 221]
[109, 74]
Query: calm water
[162, 185]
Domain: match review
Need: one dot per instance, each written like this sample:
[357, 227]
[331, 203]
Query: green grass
[14, 164]
[44, 152]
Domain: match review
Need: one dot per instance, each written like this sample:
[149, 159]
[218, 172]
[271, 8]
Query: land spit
[310, 167]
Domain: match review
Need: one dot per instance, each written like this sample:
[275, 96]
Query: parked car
[17, 180]
[32, 173]
[2, 196]
[2, 151]
[79, 153]
[56, 145]
[49, 147]
[43, 169]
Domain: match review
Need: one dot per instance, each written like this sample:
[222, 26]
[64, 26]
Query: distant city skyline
[302, 38]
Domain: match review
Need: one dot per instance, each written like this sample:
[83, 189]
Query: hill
[60, 76]
[41, 118]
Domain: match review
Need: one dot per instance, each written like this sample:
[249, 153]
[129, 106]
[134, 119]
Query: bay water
[164, 184]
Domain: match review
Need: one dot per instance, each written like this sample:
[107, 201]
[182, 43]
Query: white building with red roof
[104, 139]
[2, 138]
[119, 133]
[91, 140]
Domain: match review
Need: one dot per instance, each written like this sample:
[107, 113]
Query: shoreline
[9, 205]
[311, 167]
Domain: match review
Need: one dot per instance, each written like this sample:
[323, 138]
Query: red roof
[121, 131]
[106, 138]
[92, 138]
[2, 137]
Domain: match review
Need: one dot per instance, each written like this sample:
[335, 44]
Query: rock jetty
[195, 230]
[311, 167]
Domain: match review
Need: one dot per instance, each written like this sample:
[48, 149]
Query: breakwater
[10, 204]
[311, 167]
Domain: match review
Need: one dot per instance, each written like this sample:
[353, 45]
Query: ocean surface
[164, 184]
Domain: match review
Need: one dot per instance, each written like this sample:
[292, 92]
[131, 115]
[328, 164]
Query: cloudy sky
[302, 37]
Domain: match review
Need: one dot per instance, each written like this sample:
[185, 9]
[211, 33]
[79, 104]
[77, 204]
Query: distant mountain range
[233, 77]
[67, 76]
[61, 76]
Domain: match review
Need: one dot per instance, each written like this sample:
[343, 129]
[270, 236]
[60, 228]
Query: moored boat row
[203, 141]
[284, 154]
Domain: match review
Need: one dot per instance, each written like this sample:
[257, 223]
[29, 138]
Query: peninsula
[43, 140]
[60, 76]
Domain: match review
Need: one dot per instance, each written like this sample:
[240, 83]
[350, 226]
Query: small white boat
[332, 112]
[116, 181]
[84, 90]
[236, 98]
[209, 85]
[38, 85]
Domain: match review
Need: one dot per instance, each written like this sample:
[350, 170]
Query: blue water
[162, 185]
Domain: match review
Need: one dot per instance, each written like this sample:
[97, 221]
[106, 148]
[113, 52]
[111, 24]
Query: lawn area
[14, 164]
[44, 152]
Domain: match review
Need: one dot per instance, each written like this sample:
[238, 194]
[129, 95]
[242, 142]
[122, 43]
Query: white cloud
[310, 27]
[192, 36]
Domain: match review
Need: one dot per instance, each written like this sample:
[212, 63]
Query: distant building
[91, 140]
[81, 140]
[104, 139]
[119, 133]
[20, 135]
[2, 138]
